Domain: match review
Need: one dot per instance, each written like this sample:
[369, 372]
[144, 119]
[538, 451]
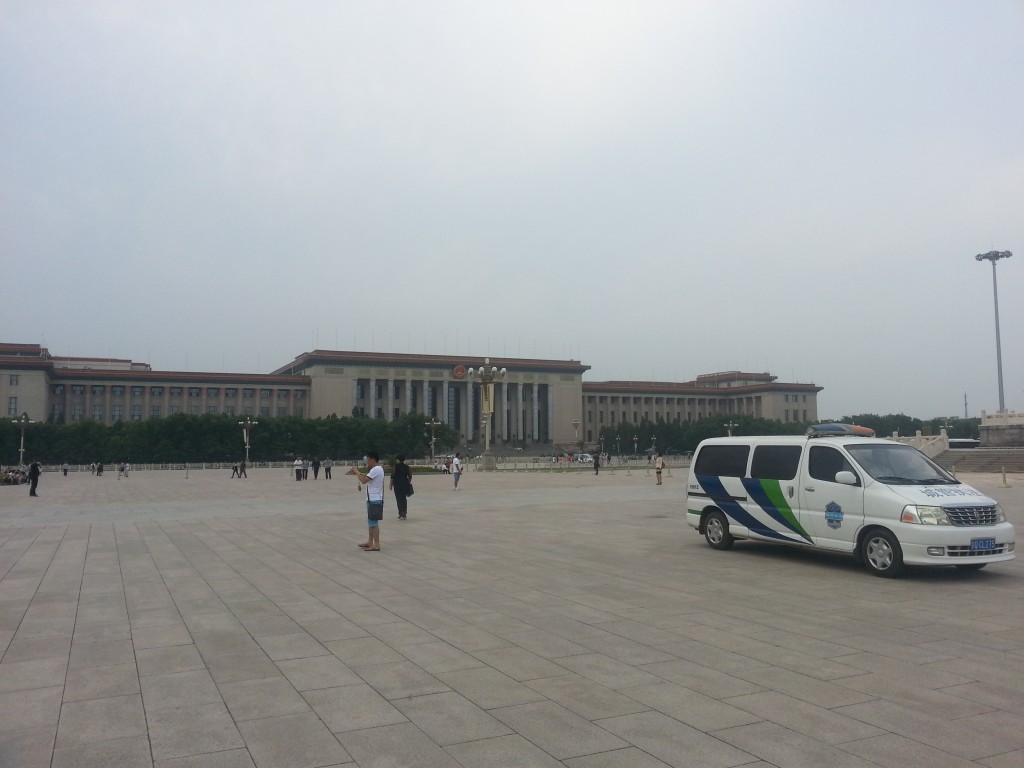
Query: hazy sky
[658, 189]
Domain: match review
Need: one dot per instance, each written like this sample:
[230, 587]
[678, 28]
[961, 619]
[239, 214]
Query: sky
[657, 189]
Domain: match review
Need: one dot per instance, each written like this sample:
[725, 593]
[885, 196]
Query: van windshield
[899, 465]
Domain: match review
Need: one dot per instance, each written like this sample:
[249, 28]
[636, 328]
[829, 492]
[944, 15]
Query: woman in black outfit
[401, 479]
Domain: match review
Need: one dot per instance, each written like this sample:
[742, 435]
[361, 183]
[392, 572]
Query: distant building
[537, 402]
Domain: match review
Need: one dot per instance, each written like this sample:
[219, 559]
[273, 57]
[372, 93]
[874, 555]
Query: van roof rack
[839, 430]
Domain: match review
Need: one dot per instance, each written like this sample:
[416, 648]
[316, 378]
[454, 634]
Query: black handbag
[410, 492]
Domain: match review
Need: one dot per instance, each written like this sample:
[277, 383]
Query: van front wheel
[716, 531]
[881, 553]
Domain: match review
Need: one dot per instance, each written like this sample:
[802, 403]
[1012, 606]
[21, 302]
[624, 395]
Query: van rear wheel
[716, 531]
[881, 554]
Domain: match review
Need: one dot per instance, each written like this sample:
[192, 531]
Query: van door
[832, 512]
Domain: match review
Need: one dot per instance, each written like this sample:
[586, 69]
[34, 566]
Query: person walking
[35, 469]
[401, 482]
[234, 470]
[327, 468]
[241, 469]
[65, 469]
[373, 478]
[457, 469]
[316, 468]
[297, 464]
[597, 463]
[659, 465]
[305, 469]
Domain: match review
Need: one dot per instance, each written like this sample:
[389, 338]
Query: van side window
[722, 460]
[823, 463]
[775, 462]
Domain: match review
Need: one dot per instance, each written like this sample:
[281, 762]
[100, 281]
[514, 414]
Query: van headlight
[922, 515]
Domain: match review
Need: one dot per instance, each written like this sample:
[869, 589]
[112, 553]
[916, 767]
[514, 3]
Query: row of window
[677, 401]
[791, 415]
[770, 462]
[117, 412]
[229, 392]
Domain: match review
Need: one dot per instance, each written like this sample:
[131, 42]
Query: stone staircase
[982, 460]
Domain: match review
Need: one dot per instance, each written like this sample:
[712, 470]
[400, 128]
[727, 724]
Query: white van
[885, 502]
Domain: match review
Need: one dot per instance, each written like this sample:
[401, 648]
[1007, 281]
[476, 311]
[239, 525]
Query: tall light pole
[433, 424]
[487, 374]
[995, 256]
[634, 444]
[730, 426]
[576, 430]
[247, 426]
[22, 421]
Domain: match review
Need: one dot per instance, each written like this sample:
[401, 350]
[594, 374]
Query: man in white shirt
[457, 469]
[374, 481]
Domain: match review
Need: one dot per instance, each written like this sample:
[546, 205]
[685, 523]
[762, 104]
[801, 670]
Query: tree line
[213, 437]
[683, 437]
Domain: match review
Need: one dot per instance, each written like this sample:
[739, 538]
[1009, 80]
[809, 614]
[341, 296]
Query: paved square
[531, 619]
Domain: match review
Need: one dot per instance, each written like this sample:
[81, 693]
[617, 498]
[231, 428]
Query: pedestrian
[127, 469]
[659, 465]
[92, 468]
[447, 465]
[234, 470]
[297, 464]
[316, 468]
[401, 484]
[99, 469]
[34, 470]
[65, 469]
[241, 469]
[597, 463]
[457, 469]
[374, 481]
[327, 468]
[305, 469]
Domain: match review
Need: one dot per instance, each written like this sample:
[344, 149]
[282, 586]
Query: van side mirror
[846, 477]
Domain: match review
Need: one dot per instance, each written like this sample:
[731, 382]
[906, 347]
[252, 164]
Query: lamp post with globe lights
[995, 256]
[433, 424]
[22, 421]
[487, 374]
[247, 426]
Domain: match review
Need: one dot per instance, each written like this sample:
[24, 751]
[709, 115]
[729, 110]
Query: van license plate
[982, 544]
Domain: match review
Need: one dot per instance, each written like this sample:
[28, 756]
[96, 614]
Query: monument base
[489, 462]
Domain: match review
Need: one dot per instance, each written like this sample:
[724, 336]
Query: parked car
[584, 458]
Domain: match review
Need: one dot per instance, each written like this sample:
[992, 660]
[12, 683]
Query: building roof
[698, 388]
[393, 360]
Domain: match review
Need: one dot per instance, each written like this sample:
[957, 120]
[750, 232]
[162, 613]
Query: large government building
[536, 402]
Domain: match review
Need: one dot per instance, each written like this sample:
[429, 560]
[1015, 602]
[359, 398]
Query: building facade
[536, 402]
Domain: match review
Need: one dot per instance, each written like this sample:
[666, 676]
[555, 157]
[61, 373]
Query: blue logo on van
[833, 515]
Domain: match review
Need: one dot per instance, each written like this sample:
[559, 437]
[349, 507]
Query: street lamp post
[22, 421]
[730, 426]
[487, 374]
[576, 430]
[654, 444]
[618, 444]
[433, 424]
[247, 426]
[995, 256]
[634, 444]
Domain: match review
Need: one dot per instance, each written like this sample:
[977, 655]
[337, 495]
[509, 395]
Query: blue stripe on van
[758, 491]
[713, 485]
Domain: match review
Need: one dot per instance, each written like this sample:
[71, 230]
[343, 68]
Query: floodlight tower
[995, 256]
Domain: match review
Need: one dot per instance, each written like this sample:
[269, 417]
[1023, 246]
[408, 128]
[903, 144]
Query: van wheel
[716, 531]
[881, 554]
[971, 566]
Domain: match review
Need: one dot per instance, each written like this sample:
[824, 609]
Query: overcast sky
[658, 189]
